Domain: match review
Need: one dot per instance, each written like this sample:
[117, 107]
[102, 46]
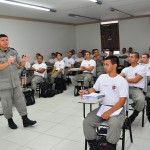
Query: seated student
[39, 73]
[58, 68]
[74, 55]
[83, 53]
[69, 63]
[111, 52]
[52, 60]
[78, 60]
[104, 54]
[135, 75]
[130, 50]
[99, 63]
[123, 56]
[144, 61]
[35, 61]
[88, 68]
[115, 96]
[92, 55]
[24, 69]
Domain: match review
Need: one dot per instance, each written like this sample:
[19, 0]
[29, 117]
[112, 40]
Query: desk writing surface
[89, 101]
[74, 69]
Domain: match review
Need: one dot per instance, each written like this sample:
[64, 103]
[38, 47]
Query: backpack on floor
[46, 89]
[60, 84]
[29, 97]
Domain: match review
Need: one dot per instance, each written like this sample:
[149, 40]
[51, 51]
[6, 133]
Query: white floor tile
[77, 136]
[73, 121]
[21, 136]
[69, 145]
[61, 131]
[142, 133]
[138, 144]
[24, 148]
[7, 145]
[43, 142]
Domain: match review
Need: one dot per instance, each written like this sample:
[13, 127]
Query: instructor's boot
[11, 124]
[27, 122]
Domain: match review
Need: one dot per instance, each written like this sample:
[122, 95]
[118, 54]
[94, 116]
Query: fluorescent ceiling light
[109, 22]
[75, 15]
[96, 1]
[117, 10]
[12, 2]
[93, 1]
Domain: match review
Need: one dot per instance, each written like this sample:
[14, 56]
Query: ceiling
[80, 7]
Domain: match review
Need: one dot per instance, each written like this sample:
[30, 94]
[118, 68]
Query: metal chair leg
[130, 131]
[123, 138]
[143, 112]
[85, 144]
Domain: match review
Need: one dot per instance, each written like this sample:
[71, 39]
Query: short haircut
[88, 52]
[52, 53]
[136, 54]
[40, 56]
[59, 54]
[146, 55]
[3, 35]
[70, 52]
[114, 59]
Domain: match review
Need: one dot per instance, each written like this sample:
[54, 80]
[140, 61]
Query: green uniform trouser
[55, 75]
[86, 77]
[138, 98]
[148, 91]
[115, 123]
[10, 97]
[34, 81]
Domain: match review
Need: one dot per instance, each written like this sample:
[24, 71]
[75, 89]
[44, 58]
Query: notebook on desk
[93, 96]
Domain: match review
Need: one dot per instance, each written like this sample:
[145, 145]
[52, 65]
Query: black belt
[136, 87]
[88, 72]
[66, 67]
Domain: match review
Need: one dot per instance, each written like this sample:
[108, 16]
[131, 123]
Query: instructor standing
[10, 90]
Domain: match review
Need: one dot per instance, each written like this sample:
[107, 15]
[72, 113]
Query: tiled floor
[59, 127]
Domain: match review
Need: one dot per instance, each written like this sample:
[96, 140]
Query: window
[110, 36]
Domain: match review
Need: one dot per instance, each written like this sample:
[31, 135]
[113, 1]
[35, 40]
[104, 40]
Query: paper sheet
[104, 108]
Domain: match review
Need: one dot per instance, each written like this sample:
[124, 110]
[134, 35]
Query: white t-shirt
[27, 65]
[52, 61]
[89, 63]
[59, 65]
[113, 88]
[40, 66]
[74, 56]
[68, 61]
[123, 59]
[79, 59]
[147, 68]
[131, 72]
